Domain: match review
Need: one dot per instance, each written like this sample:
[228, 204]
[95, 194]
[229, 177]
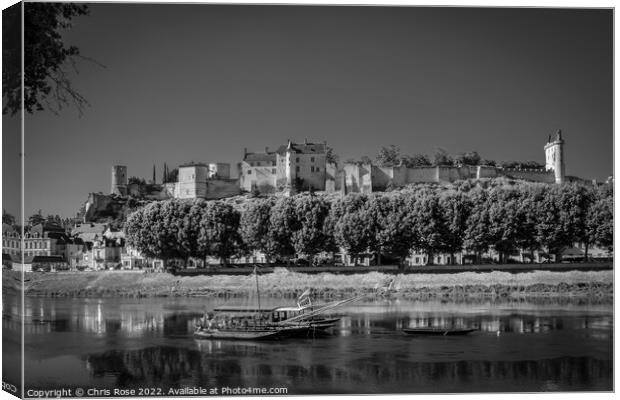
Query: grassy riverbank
[596, 285]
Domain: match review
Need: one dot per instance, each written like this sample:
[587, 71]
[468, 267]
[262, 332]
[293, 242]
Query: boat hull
[225, 334]
[251, 334]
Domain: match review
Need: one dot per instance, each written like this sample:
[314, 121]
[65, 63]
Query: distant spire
[153, 173]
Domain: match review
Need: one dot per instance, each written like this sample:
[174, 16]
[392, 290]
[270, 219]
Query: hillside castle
[296, 167]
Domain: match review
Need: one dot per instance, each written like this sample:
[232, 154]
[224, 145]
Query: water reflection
[247, 365]
[132, 343]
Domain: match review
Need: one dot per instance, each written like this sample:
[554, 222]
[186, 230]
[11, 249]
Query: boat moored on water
[257, 323]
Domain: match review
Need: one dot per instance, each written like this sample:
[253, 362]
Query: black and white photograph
[233, 199]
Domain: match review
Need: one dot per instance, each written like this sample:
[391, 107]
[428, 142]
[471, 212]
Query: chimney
[305, 140]
[245, 152]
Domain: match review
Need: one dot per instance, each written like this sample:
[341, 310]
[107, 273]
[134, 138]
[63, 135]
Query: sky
[202, 82]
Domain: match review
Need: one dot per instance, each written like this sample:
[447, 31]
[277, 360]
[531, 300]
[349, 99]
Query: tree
[428, 221]
[136, 181]
[470, 158]
[550, 231]
[442, 158]
[310, 236]
[254, 226]
[36, 219]
[282, 224]
[7, 218]
[219, 231]
[417, 160]
[575, 202]
[173, 176]
[330, 156]
[394, 228]
[191, 214]
[600, 226]
[528, 210]
[455, 208]
[388, 156]
[46, 81]
[353, 225]
[504, 220]
[477, 233]
[491, 163]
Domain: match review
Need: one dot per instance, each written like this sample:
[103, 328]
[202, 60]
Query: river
[147, 343]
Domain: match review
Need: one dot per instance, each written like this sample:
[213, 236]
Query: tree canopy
[47, 84]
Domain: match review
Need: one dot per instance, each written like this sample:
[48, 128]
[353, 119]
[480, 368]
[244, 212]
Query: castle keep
[295, 167]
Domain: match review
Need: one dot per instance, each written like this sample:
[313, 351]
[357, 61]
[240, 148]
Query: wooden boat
[236, 334]
[248, 334]
[439, 331]
[256, 323]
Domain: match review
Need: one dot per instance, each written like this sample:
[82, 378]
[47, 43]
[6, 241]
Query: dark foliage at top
[46, 81]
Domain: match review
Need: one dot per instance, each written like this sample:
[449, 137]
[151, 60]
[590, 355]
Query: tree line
[392, 156]
[476, 217]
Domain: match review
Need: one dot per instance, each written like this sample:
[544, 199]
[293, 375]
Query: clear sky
[201, 82]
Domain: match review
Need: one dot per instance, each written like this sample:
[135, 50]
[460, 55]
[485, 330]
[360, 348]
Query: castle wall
[530, 175]
[381, 177]
[262, 177]
[331, 171]
[170, 189]
[310, 168]
[487, 172]
[399, 175]
[281, 180]
[451, 174]
[421, 175]
[221, 188]
[219, 170]
[358, 178]
[193, 181]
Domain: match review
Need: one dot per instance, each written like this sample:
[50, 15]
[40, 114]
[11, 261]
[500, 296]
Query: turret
[119, 180]
[554, 156]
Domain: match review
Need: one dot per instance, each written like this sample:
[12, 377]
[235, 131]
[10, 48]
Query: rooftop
[193, 164]
[260, 157]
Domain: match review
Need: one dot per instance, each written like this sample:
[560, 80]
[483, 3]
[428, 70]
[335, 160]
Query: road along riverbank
[592, 285]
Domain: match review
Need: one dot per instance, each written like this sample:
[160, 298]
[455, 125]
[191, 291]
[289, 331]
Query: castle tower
[119, 180]
[554, 156]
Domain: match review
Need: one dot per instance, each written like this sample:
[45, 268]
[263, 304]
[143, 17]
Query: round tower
[554, 156]
[119, 180]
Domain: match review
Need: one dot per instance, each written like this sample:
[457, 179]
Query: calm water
[92, 343]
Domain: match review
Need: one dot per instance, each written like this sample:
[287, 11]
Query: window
[311, 169]
[317, 169]
[249, 172]
[297, 168]
[311, 159]
[273, 163]
[297, 159]
[273, 170]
